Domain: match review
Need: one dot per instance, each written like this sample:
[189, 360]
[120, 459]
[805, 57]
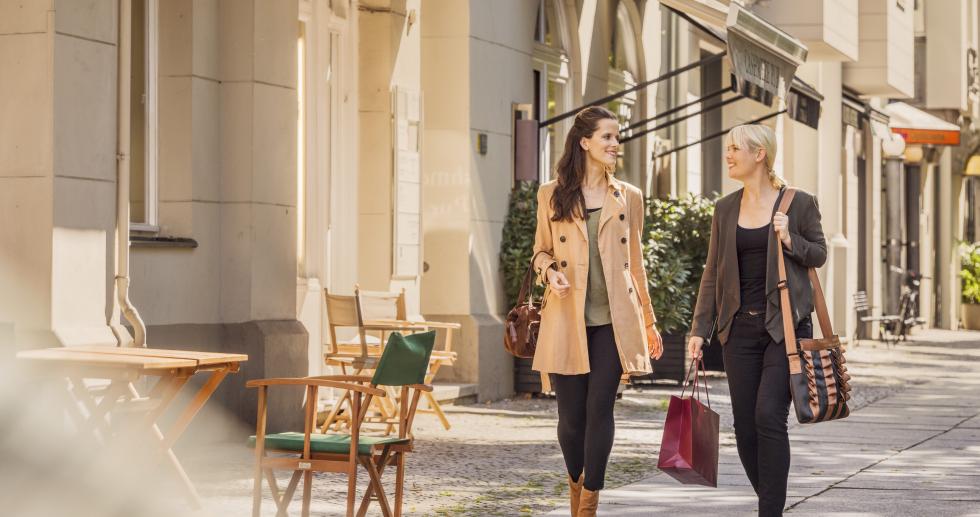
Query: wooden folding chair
[445, 356]
[403, 364]
[390, 308]
[354, 357]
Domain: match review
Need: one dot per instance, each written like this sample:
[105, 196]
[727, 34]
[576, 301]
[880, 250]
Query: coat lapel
[581, 226]
[614, 204]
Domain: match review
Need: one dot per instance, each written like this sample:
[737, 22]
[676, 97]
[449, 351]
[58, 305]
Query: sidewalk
[911, 447]
[914, 452]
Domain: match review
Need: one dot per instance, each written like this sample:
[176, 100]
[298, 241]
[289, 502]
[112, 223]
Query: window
[551, 77]
[143, 117]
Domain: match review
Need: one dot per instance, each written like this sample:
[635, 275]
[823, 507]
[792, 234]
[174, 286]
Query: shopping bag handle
[697, 367]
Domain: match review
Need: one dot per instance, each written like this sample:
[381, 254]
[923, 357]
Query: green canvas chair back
[405, 359]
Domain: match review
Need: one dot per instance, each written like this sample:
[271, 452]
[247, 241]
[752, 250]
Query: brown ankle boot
[574, 492]
[588, 503]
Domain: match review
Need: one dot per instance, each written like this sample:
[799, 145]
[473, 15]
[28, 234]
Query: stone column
[57, 171]
[893, 150]
[258, 107]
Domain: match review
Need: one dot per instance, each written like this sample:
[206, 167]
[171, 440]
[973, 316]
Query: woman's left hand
[780, 222]
[655, 344]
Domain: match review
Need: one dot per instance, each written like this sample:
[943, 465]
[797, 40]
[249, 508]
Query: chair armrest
[342, 378]
[440, 324]
[303, 381]
[421, 387]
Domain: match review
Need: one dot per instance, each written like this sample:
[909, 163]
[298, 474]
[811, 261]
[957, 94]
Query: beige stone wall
[57, 170]
[227, 165]
[448, 156]
[389, 58]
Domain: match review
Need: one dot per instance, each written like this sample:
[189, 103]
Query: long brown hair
[568, 201]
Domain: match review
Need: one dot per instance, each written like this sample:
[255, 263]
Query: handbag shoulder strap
[819, 302]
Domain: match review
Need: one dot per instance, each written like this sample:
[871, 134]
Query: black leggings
[758, 379]
[585, 409]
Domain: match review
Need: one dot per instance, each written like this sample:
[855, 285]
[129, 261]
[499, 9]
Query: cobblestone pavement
[502, 458]
[913, 448]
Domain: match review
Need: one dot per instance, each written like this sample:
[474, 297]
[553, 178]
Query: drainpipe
[123, 94]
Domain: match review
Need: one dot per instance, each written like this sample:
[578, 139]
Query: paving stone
[895, 455]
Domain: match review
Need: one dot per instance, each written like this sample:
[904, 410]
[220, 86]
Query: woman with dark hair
[597, 323]
[739, 294]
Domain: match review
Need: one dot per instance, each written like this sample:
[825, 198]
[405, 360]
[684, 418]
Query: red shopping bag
[689, 448]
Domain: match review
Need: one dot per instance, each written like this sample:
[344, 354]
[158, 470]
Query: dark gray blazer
[718, 297]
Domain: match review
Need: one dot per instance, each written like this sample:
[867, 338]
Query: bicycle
[899, 328]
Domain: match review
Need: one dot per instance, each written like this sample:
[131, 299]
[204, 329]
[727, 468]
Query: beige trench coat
[562, 345]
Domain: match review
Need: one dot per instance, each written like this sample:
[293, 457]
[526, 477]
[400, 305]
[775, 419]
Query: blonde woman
[597, 322]
[739, 294]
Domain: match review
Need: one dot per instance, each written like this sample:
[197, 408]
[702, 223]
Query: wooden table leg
[194, 406]
[166, 441]
[166, 389]
[99, 410]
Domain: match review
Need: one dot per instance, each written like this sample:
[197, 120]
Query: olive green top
[596, 297]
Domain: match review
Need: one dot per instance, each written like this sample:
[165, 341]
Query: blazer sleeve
[544, 251]
[637, 268]
[704, 309]
[809, 247]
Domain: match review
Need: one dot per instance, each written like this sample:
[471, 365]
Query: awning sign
[760, 75]
[928, 136]
[763, 57]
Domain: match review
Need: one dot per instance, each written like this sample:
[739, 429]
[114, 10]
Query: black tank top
[753, 246]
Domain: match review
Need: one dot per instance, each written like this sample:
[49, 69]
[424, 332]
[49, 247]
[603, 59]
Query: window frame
[151, 194]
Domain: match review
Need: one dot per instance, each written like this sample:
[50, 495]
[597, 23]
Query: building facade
[280, 148]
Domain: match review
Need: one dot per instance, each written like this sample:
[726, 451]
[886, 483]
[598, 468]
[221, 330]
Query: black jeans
[585, 409]
[758, 379]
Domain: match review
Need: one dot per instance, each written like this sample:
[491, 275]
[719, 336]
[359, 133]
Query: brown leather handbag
[818, 376]
[523, 321]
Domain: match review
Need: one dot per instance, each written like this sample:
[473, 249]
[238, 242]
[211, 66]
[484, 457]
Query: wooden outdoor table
[122, 367]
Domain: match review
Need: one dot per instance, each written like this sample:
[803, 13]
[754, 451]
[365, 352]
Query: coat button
[622, 217]
[616, 193]
[631, 290]
[627, 265]
[562, 238]
[623, 240]
[564, 264]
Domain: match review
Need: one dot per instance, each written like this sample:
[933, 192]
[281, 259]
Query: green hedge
[518, 239]
[676, 246]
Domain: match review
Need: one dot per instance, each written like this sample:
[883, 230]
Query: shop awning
[755, 38]
[764, 58]
[918, 127]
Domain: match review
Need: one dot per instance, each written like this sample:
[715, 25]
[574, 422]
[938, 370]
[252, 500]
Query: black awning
[802, 100]
[803, 103]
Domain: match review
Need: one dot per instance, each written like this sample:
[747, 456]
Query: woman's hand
[558, 282]
[780, 222]
[655, 344]
[694, 344]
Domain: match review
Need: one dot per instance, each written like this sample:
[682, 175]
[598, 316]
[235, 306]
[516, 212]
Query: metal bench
[886, 323]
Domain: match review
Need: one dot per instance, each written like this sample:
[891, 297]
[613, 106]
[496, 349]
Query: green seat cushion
[326, 443]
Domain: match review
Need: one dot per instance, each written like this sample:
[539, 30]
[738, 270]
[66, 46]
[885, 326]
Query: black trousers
[585, 409]
[758, 379]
